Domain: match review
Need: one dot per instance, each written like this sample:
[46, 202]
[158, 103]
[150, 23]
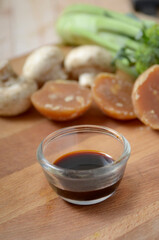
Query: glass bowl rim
[66, 130]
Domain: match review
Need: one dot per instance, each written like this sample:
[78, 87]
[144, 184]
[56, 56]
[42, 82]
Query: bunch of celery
[134, 43]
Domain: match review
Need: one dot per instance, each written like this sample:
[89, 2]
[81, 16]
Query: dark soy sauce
[85, 160]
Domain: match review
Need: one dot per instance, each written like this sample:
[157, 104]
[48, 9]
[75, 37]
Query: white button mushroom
[15, 92]
[44, 64]
[88, 59]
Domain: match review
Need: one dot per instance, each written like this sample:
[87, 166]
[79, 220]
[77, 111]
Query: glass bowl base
[89, 202]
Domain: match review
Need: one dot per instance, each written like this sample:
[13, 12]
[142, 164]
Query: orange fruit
[112, 94]
[62, 100]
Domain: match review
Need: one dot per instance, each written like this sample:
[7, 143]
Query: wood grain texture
[30, 209]
[26, 25]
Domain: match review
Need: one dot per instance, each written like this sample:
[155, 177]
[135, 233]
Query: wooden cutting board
[30, 209]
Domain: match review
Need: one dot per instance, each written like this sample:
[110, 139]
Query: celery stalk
[95, 10]
[94, 23]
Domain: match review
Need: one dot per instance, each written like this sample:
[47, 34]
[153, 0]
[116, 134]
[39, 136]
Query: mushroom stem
[6, 71]
[87, 79]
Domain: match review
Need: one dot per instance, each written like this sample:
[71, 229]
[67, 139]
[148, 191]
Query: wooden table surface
[28, 24]
[30, 209]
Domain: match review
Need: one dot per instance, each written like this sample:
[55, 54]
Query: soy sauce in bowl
[85, 160]
[91, 172]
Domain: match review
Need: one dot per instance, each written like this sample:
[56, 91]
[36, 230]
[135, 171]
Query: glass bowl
[88, 186]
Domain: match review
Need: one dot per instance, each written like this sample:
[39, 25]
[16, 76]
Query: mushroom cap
[15, 99]
[88, 59]
[15, 92]
[44, 64]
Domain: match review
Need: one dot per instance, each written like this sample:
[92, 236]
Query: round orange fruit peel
[112, 94]
[145, 97]
[62, 100]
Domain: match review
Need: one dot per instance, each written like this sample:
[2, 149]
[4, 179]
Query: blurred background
[28, 24]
